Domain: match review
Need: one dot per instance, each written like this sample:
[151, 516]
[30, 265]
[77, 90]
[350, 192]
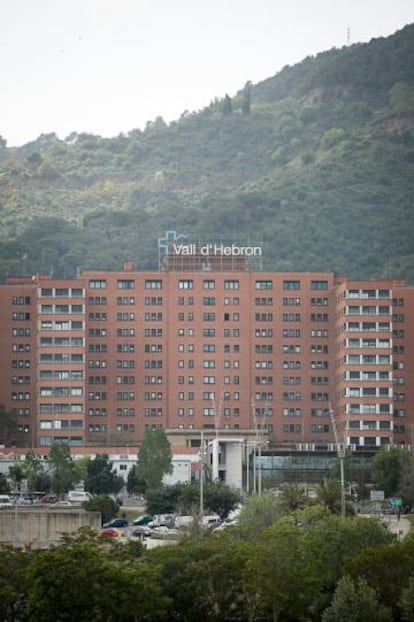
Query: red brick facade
[94, 360]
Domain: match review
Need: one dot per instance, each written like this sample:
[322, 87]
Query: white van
[79, 496]
[213, 520]
[5, 502]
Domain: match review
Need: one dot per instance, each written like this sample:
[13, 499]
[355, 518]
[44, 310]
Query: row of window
[62, 308]
[158, 300]
[207, 284]
[120, 427]
[61, 292]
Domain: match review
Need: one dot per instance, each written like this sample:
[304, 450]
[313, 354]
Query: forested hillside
[317, 162]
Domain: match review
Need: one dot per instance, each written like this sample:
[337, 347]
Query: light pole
[341, 455]
[259, 484]
[201, 476]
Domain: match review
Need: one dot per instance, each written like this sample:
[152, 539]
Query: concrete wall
[43, 527]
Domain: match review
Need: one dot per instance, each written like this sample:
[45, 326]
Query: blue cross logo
[169, 238]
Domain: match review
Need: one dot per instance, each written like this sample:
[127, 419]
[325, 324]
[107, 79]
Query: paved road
[400, 527]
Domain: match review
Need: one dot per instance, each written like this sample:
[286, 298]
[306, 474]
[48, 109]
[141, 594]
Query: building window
[263, 332]
[263, 317]
[209, 284]
[264, 285]
[320, 397]
[185, 284]
[97, 284]
[291, 317]
[124, 332]
[291, 380]
[291, 302]
[209, 317]
[292, 428]
[291, 332]
[292, 412]
[231, 284]
[322, 428]
[153, 317]
[291, 285]
[319, 302]
[292, 395]
[20, 316]
[319, 285]
[153, 284]
[319, 332]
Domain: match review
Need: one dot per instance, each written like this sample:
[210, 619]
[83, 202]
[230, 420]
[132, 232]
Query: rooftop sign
[180, 251]
[217, 249]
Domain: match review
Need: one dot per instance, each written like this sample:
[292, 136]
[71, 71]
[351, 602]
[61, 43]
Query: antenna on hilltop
[348, 35]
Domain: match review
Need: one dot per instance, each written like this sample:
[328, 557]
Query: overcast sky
[107, 67]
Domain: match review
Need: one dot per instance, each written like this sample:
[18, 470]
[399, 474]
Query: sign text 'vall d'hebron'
[217, 249]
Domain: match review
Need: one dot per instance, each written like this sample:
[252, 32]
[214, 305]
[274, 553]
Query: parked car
[24, 501]
[46, 499]
[162, 520]
[142, 532]
[63, 504]
[111, 532]
[5, 502]
[79, 496]
[117, 523]
[143, 520]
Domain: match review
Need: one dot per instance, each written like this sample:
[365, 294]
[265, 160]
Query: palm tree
[328, 494]
[293, 497]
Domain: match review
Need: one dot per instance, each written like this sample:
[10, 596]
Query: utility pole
[201, 476]
[341, 455]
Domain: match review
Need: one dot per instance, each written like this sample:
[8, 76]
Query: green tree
[134, 485]
[259, 513]
[331, 541]
[163, 499]
[207, 580]
[407, 602]
[387, 468]
[16, 473]
[293, 497]
[81, 466]
[247, 96]
[220, 498]
[402, 99]
[101, 478]
[8, 426]
[81, 582]
[279, 570]
[13, 584]
[63, 471]
[406, 488]
[356, 603]
[154, 458]
[328, 494]
[103, 504]
[227, 106]
[378, 564]
[4, 484]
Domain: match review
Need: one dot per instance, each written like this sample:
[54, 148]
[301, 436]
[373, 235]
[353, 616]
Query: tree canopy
[61, 465]
[154, 458]
[101, 478]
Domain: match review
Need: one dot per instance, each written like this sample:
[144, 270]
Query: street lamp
[341, 455]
